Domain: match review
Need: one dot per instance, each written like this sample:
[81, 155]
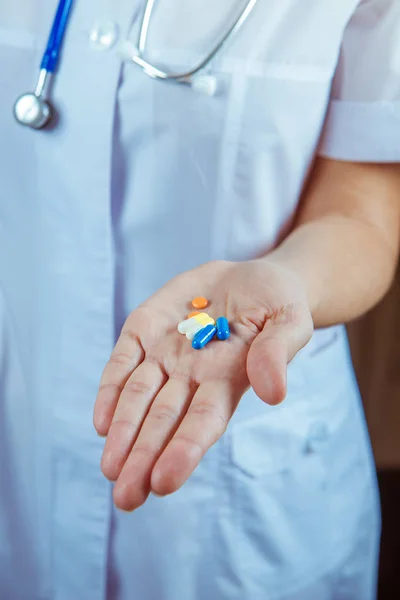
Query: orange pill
[200, 302]
[193, 314]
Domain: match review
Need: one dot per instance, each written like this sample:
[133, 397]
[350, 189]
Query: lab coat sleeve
[363, 118]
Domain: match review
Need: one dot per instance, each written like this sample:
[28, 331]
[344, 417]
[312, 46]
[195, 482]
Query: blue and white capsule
[204, 336]
[223, 329]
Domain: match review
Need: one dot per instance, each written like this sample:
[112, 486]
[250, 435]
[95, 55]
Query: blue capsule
[204, 336]
[223, 330]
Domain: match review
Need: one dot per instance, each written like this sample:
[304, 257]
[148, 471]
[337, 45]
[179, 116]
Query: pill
[193, 314]
[200, 302]
[184, 326]
[198, 322]
[204, 336]
[196, 328]
[223, 330]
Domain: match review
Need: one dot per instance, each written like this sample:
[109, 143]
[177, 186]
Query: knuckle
[113, 388]
[164, 413]
[183, 377]
[128, 423]
[211, 411]
[151, 359]
[138, 388]
[145, 450]
[190, 443]
[121, 358]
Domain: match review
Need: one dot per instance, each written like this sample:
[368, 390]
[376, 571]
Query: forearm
[345, 243]
[345, 265]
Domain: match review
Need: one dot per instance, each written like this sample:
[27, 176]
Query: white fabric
[95, 215]
[363, 122]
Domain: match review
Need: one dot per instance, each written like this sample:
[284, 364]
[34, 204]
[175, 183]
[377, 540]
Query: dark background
[375, 343]
[389, 573]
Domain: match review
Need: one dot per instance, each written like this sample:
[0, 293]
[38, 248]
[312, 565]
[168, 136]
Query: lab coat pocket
[294, 482]
[280, 455]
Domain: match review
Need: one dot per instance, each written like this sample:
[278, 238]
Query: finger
[125, 358]
[272, 350]
[163, 419]
[133, 405]
[205, 422]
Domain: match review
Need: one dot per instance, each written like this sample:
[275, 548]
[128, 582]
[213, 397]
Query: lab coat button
[104, 35]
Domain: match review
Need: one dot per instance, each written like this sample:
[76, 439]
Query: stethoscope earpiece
[32, 111]
[205, 84]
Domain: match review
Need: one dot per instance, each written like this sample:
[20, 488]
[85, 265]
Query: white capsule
[186, 325]
[193, 330]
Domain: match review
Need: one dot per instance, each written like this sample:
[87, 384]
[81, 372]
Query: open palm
[161, 404]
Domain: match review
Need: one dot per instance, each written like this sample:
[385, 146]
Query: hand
[161, 404]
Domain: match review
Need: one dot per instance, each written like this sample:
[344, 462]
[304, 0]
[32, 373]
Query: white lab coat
[138, 181]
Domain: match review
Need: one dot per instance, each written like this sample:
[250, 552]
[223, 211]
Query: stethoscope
[35, 109]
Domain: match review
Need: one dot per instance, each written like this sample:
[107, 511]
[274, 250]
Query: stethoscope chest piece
[32, 111]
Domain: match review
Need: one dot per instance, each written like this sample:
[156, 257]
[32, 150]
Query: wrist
[342, 264]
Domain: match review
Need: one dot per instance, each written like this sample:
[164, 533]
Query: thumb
[282, 337]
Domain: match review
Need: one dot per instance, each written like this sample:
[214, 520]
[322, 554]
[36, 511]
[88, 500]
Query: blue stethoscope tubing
[51, 55]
